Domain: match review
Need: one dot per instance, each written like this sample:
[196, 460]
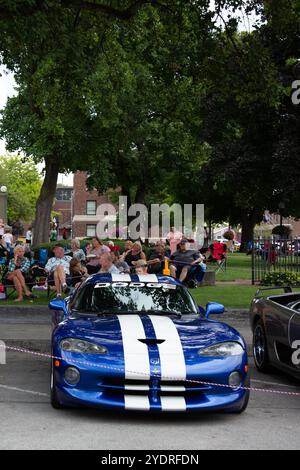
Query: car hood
[112, 331]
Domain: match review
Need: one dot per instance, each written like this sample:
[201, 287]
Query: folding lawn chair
[218, 256]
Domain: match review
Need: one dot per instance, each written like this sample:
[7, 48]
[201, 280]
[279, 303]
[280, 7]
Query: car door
[277, 320]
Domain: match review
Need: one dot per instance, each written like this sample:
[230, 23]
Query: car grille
[159, 387]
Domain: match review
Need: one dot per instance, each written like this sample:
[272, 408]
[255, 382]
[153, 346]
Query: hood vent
[151, 341]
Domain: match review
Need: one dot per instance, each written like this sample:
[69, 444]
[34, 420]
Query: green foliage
[175, 98]
[281, 279]
[282, 230]
[23, 187]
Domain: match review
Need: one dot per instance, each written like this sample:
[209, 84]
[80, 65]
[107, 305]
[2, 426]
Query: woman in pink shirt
[93, 255]
[174, 237]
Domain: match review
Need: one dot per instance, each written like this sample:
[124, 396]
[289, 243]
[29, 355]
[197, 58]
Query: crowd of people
[66, 269]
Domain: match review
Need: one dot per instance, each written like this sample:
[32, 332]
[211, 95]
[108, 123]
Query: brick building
[85, 203]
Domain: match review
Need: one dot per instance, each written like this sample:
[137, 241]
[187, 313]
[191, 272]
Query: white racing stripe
[170, 351]
[136, 357]
[172, 388]
[137, 388]
[147, 278]
[137, 402]
[121, 277]
[173, 403]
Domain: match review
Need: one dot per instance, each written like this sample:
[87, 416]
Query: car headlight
[81, 346]
[230, 348]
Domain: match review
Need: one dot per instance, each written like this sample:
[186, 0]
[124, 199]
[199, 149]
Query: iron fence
[274, 255]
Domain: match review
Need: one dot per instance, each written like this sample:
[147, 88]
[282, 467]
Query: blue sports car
[140, 342]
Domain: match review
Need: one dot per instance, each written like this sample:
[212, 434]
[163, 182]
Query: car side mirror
[57, 304]
[214, 308]
[59, 311]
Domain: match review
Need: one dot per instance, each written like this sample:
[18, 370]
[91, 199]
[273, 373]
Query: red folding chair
[218, 256]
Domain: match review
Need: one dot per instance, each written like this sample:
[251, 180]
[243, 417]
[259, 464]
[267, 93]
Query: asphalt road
[27, 421]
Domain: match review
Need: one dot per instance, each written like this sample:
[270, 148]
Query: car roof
[153, 278]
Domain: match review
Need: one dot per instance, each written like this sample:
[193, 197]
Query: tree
[23, 187]
[60, 114]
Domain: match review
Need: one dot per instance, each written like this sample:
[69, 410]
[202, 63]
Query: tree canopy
[166, 99]
[23, 183]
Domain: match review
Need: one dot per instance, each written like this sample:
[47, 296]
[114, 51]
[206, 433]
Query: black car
[275, 322]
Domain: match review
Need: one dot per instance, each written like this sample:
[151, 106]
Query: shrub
[281, 279]
[282, 230]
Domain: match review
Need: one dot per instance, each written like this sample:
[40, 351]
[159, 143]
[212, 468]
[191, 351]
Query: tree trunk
[44, 203]
[248, 222]
[140, 194]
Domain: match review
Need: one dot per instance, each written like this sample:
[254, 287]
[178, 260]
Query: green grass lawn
[238, 267]
[41, 299]
[229, 296]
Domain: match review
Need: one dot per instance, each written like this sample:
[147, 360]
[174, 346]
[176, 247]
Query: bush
[282, 231]
[281, 279]
[67, 243]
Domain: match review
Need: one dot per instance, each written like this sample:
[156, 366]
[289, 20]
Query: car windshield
[134, 297]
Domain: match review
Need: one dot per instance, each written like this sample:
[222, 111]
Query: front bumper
[108, 388]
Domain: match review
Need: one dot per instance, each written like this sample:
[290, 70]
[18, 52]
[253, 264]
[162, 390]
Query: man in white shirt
[107, 266]
[58, 268]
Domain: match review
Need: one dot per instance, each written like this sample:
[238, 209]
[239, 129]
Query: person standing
[8, 238]
[174, 237]
[28, 236]
[64, 233]
[2, 227]
[53, 234]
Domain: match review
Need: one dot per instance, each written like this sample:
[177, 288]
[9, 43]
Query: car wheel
[260, 348]
[53, 394]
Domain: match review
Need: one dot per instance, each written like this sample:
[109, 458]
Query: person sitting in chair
[107, 266]
[58, 268]
[18, 266]
[183, 259]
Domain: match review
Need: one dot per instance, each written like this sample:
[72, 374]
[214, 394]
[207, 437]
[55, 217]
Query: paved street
[29, 422]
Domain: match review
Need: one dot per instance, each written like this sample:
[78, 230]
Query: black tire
[53, 395]
[260, 348]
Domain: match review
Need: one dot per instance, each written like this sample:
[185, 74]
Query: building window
[91, 208]
[91, 230]
[63, 194]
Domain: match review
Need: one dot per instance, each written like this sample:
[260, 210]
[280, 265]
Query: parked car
[275, 322]
[133, 342]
